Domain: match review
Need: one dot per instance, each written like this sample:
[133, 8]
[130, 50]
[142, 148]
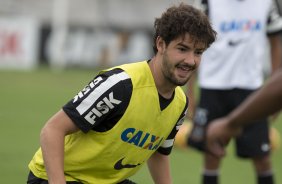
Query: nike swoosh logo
[119, 165]
[234, 43]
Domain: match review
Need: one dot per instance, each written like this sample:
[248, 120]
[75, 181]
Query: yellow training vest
[112, 156]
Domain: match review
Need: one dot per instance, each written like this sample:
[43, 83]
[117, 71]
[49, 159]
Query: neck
[164, 87]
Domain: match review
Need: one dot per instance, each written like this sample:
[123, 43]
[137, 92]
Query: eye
[199, 53]
[182, 49]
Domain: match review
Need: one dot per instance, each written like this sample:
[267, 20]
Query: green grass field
[28, 99]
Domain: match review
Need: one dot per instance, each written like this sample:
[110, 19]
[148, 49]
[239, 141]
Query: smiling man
[128, 115]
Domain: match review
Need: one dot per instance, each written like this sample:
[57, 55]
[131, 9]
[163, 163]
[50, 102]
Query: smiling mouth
[184, 72]
[186, 68]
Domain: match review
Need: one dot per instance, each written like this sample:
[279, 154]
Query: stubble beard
[167, 71]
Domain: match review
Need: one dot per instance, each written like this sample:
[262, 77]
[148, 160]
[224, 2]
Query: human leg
[254, 144]
[263, 168]
[211, 106]
[210, 173]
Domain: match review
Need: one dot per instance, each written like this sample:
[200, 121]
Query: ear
[160, 45]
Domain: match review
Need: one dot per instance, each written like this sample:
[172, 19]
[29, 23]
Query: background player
[127, 115]
[233, 68]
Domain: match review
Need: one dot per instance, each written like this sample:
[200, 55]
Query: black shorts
[254, 141]
[32, 179]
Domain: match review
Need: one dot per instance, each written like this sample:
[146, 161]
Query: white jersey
[236, 59]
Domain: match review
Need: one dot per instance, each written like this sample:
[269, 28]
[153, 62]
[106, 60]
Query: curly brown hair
[182, 19]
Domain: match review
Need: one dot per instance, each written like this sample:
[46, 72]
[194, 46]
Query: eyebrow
[187, 46]
[183, 45]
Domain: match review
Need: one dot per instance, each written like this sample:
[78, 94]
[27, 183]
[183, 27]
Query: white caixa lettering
[87, 88]
[102, 107]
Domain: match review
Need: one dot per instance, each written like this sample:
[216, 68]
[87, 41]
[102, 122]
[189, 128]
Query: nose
[190, 59]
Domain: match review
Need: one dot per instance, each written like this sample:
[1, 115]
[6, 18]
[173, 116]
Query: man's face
[181, 58]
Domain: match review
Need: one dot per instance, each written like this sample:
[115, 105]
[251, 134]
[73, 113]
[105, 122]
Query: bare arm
[159, 168]
[264, 102]
[276, 52]
[52, 143]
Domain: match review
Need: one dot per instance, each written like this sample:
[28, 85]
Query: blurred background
[49, 49]
[84, 33]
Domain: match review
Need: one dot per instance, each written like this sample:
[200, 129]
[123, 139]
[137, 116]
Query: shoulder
[115, 73]
[108, 92]
[274, 18]
[181, 95]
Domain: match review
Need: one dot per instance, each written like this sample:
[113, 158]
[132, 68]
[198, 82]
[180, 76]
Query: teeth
[185, 68]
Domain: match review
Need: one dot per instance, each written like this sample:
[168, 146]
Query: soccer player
[127, 115]
[264, 102]
[231, 69]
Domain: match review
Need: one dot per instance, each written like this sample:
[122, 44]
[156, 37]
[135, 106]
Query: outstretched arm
[262, 103]
[159, 168]
[52, 143]
[276, 52]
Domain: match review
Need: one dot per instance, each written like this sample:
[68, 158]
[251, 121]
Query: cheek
[198, 60]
